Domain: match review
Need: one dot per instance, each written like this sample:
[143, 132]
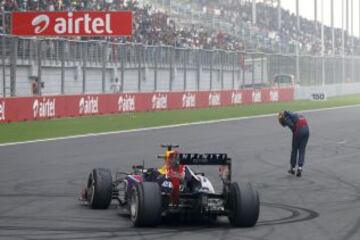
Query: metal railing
[57, 66]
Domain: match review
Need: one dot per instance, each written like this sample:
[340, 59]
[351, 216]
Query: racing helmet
[170, 158]
[170, 162]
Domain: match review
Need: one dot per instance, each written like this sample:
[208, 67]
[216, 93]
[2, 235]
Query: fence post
[157, 56]
[63, 44]
[262, 68]
[323, 70]
[268, 70]
[83, 54]
[3, 50]
[39, 58]
[237, 64]
[222, 58]
[123, 56]
[198, 70]
[297, 63]
[138, 54]
[211, 69]
[233, 71]
[185, 51]
[253, 70]
[343, 68]
[13, 60]
[334, 67]
[243, 68]
[352, 66]
[171, 67]
[103, 70]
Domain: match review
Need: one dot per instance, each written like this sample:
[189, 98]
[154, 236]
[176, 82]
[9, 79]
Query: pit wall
[47, 107]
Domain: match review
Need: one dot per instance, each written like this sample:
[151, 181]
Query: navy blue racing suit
[300, 129]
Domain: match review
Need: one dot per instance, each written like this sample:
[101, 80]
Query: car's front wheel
[99, 188]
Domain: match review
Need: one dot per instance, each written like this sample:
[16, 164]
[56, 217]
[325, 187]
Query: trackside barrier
[47, 107]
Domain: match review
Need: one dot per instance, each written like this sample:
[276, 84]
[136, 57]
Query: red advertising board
[46, 107]
[71, 23]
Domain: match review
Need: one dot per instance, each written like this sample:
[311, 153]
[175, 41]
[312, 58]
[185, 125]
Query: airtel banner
[37, 108]
[71, 23]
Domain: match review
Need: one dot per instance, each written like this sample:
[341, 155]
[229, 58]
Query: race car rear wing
[219, 159]
[204, 159]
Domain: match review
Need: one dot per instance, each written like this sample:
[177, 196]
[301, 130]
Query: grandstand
[196, 24]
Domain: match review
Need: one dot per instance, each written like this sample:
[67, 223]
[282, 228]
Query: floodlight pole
[279, 14]
[315, 14]
[253, 15]
[352, 40]
[332, 26]
[322, 45]
[3, 54]
[343, 38]
[297, 17]
[297, 50]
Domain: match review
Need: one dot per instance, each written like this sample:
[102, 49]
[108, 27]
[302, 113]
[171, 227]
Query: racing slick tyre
[244, 205]
[145, 204]
[99, 188]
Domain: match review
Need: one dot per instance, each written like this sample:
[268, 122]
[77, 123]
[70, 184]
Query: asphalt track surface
[40, 182]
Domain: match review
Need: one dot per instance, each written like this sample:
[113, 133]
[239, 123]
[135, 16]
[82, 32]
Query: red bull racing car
[150, 194]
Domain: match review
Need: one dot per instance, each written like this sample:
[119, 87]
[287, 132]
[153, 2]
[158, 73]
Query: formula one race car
[150, 194]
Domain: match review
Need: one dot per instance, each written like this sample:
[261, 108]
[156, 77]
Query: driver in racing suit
[300, 129]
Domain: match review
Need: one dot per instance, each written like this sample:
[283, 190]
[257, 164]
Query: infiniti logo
[39, 20]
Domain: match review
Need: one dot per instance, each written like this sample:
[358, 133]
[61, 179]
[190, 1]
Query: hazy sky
[306, 8]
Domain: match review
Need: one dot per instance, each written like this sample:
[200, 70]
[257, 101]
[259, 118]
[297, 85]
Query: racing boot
[299, 172]
[291, 171]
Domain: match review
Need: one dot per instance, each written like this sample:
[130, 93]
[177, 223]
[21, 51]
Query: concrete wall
[136, 78]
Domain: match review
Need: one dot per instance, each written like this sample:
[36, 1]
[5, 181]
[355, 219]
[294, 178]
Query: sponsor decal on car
[2, 111]
[274, 95]
[89, 105]
[256, 96]
[80, 23]
[126, 103]
[236, 98]
[44, 108]
[214, 99]
[188, 100]
[159, 101]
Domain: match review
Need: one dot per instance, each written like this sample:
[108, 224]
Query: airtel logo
[214, 99]
[159, 101]
[236, 98]
[126, 103]
[73, 24]
[89, 105]
[77, 23]
[274, 95]
[189, 100]
[40, 20]
[44, 107]
[256, 96]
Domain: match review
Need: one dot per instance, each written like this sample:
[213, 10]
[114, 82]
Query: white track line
[169, 126]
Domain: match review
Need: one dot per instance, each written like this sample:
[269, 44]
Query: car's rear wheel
[99, 188]
[243, 205]
[145, 204]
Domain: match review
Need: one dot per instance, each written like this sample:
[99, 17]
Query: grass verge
[22, 131]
